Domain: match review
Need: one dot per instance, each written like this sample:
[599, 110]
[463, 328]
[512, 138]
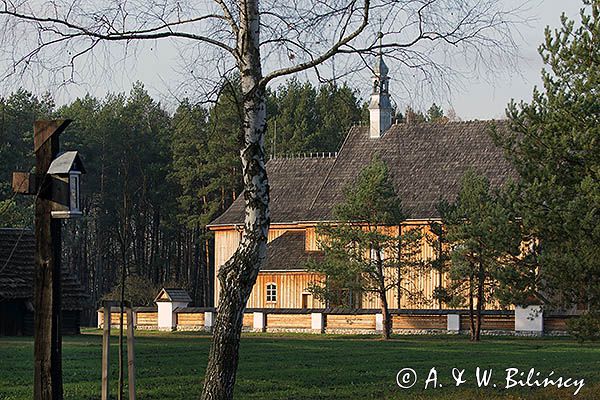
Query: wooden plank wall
[421, 283]
[554, 323]
[141, 318]
[419, 322]
[248, 321]
[115, 319]
[302, 320]
[146, 318]
[359, 321]
[226, 243]
[190, 319]
[291, 321]
[290, 287]
[490, 322]
[311, 239]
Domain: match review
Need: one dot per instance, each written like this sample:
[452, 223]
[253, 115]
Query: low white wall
[529, 320]
[453, 324]
[167, 320]
[259, 322]
[317, 322]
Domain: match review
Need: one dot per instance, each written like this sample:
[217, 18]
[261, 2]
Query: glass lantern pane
[74, 189]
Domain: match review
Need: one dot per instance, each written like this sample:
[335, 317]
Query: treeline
[155, 179]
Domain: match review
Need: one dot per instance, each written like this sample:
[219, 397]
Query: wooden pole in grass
[130, 354]
[47, 379]
[106, 349]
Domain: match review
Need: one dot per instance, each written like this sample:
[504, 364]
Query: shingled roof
[174, 295]
[17, 249]
[426, 161]
[287, 253]
[293, 183]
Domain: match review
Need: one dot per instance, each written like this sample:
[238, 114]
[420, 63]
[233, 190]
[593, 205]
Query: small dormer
[380, 106]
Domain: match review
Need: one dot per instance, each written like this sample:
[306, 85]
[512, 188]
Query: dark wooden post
[47, 382]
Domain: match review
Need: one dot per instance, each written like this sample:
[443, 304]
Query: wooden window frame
[271, 292]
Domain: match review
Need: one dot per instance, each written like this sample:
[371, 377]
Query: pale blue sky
[485, 100]
[472, 99]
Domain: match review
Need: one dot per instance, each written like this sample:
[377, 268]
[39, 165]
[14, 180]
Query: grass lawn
[170, 366]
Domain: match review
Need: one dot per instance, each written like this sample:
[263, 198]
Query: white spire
[380, 107]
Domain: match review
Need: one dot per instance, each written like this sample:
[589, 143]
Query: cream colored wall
[226, 243]
[292, 285]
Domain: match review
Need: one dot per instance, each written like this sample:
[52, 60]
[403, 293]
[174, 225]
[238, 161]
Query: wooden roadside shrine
[55, 185]
[53, 192]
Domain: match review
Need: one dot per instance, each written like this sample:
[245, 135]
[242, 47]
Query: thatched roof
[17, 249]
[287, 253]
[426, 161]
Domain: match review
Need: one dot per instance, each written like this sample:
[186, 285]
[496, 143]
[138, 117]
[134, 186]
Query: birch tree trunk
[238, 275]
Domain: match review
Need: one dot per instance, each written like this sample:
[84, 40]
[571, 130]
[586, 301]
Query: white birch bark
[238, 275]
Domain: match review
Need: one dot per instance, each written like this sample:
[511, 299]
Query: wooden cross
[47, 382]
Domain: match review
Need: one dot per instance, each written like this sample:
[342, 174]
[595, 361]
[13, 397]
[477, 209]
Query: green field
[170, 366]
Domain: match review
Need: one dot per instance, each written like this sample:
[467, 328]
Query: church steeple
[380, 107]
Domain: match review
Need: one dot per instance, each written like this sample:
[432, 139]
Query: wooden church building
[426, 162]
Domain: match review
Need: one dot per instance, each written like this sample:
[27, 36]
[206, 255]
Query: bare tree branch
[325, 56]
[157, 32]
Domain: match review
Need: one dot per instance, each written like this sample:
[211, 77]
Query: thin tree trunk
[440, 250]
[196, 267]
[238, 275]
[471, 308]
[480, 299]
[399, 268]
[387, 318]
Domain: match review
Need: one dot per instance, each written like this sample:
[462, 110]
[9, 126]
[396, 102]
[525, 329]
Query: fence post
[379, 322]
[208, 320]
[107, 305]
[317, 322]
[529, 320]
[260, 322]
[130, 353]
[453, 323]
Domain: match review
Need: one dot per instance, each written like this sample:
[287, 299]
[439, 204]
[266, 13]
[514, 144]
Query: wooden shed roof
[17, 248]
[174, 295]
[426, 162]
[287, 253]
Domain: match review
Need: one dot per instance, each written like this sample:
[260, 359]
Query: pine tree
[435, 114]
[361, 251]
[484, 239]
[555, 147]
[304, 118]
